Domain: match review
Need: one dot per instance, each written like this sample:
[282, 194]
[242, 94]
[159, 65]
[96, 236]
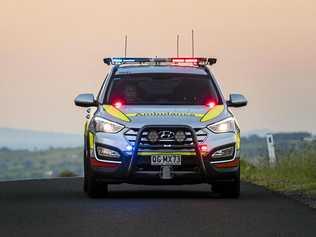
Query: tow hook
[165, 172]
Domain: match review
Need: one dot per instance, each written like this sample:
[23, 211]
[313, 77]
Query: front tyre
[95, 188]
[91, 186]
[228, 189]
[85, 171]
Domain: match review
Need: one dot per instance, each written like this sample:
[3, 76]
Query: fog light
[105, 152]
[153, 136]
[226, 152]
[180, 136]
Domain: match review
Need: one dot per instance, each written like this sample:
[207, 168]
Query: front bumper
[134, 167]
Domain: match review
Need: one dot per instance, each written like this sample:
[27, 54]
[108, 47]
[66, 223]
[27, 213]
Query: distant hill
[34, 140]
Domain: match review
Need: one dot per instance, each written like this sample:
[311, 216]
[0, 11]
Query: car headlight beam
[226, 125]
[104, 125]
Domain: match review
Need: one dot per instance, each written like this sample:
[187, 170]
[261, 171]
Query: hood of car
[140, 115]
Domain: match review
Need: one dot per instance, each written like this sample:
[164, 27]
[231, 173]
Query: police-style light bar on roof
[193, 61]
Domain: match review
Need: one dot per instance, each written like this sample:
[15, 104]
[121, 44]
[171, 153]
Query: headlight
[103, 125]
[226, 125]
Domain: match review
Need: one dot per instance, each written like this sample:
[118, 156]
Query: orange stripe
[230, 164]
[100, 164]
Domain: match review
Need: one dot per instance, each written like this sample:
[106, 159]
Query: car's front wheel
[95, 188]
[85, 171]
[227, 189]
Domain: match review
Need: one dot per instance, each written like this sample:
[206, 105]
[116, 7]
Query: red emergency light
[189, 60]
[210, 104]
[118, 104]
[203, 148]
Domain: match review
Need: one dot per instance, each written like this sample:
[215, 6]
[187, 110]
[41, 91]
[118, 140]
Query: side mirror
[85, 100]
[236, 100]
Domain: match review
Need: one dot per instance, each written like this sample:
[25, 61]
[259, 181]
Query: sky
[50, 51]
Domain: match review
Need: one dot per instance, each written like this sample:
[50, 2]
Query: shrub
[67, 173]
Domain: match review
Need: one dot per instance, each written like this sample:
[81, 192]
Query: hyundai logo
[166, 135]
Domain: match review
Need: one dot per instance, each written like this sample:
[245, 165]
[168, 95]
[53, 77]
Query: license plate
[166, 160]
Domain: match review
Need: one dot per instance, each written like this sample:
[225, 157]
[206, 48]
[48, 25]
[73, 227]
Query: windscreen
[162, 89]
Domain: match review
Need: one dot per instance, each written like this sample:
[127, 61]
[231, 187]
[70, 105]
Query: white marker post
[271, 150]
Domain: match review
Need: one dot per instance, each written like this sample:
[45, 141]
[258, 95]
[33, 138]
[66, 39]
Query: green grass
[295, 172]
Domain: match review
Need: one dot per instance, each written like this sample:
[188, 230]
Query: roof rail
[193, 61]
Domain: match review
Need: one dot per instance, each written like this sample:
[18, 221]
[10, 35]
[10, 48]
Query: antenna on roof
[192, 43]
[125, 46]
[178, 45]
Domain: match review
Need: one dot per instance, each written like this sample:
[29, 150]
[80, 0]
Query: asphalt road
[59, 208]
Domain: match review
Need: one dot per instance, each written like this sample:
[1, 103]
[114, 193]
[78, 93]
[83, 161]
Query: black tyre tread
[96, 189]
[228, 189]
[85, 168]
[93, 187]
